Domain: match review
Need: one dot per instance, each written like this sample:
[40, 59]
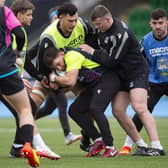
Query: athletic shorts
[140, 81]
[11, 84]
[7, 61]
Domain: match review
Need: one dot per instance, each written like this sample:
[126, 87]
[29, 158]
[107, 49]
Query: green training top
[75, 60]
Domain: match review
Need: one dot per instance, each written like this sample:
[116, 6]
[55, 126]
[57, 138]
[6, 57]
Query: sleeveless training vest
[76, 38]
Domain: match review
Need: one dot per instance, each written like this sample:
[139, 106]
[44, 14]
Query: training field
[72, 156]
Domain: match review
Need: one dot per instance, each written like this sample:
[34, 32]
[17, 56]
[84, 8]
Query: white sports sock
[98, 139]
[17, 145]
[38, 141]
[110, 147]
[156, 145]
[141, 143]
[128, 141]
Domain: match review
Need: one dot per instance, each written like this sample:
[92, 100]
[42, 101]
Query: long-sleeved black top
[120, 50]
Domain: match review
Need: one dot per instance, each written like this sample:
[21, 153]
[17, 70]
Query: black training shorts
[11, 84]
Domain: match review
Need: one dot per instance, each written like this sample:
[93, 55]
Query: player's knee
[140, 108]
[118, 111]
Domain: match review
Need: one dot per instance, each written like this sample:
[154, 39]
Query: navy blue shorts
[11, 84]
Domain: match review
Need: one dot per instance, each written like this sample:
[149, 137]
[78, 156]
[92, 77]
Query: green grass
[72, 156]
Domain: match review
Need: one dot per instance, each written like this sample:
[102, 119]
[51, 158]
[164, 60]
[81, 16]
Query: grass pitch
[72, 156]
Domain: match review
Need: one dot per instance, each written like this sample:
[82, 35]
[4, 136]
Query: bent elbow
[72, 84]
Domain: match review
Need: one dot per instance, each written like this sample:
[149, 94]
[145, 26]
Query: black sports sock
[33, 106]
[48, 107]
[85, 138]
[26, 133]
[17, 137]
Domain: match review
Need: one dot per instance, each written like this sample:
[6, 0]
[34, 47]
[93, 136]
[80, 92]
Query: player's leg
[13, 91]
[138, 97]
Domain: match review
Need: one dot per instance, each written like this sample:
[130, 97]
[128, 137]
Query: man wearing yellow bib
[68, 30]
[100, 85]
